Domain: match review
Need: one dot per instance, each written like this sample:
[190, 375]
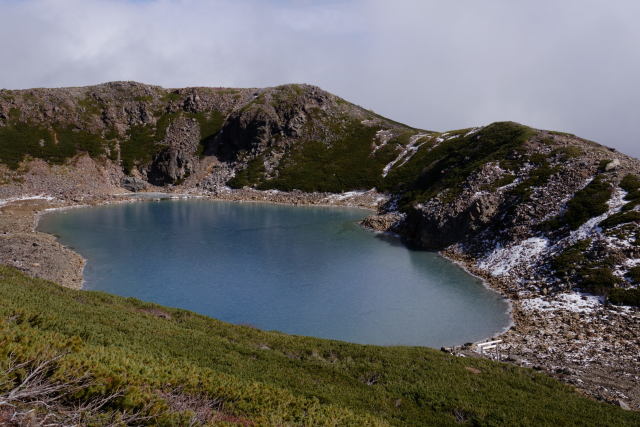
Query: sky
[570, 65]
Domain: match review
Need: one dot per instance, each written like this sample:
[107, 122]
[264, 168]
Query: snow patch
[615, 204]
[347, 195]
[4, 202]
[443, 138]
[383, 136]
[632, 262]
[572, 301]
[505, 259]
[472, 131]
[615, 242]
[409, 150]
[351, 194]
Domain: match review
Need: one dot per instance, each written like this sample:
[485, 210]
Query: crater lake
[297, 269]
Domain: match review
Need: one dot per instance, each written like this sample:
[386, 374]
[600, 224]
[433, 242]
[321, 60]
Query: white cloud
[569, 65]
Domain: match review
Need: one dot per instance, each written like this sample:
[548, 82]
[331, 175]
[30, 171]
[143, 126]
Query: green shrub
[631, 205]
[445, 167]
[144, 142]
[143, 98]
[571, 258]
[341, 164]
[568, 152]
[210, 124]
[599, 280]
[268, 378]
[619, 296]
[139, 147]
[555, 132]
[89, 107]
[54, 145]
[251, 175]
[602, 166]
[630, 183]
[620, 218]
[634, 274]
[172, 96]
[537, 178]
[587, 203]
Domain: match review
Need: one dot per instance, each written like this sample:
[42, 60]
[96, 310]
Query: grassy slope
[347, 163]
[270, 377]
[343, 164]
[446, 166]
[56, 143]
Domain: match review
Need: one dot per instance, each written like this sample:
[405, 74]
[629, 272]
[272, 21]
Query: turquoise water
[301, 270]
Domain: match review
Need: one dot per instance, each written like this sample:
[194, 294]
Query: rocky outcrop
[133, 184]
[431, 228]
[272, 118]
[179, 157]
[388, 222]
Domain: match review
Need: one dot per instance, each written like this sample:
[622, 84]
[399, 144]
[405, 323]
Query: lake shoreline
[527, 342]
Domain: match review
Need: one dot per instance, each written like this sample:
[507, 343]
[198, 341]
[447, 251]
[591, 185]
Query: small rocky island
[550, 220]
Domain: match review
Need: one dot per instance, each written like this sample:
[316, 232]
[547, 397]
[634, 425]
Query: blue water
[301, 270]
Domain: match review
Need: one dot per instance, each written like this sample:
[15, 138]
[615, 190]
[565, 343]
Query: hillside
[549, 219]
[175, 366]
[165, 136]
[481, 188]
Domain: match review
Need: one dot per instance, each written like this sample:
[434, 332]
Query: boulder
[133, 183]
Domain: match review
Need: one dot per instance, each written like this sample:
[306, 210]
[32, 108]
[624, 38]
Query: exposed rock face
[273, 118]
[436, 226]
[153, 132]
[388, 222]
[179, 157]
[134, 184]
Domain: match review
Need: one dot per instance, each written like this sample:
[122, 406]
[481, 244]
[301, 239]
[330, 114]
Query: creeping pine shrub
[634, 274]
[341, 164]
[625, 297]
[599, 281]
[567, 152]
[587, 203]
[210, 125]
[250, 175]
[537, 178]
[571, 258]
[602, 166]
[445, 167]
[631, 184]
[620, 218]
[172, 365]
[54, 145]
